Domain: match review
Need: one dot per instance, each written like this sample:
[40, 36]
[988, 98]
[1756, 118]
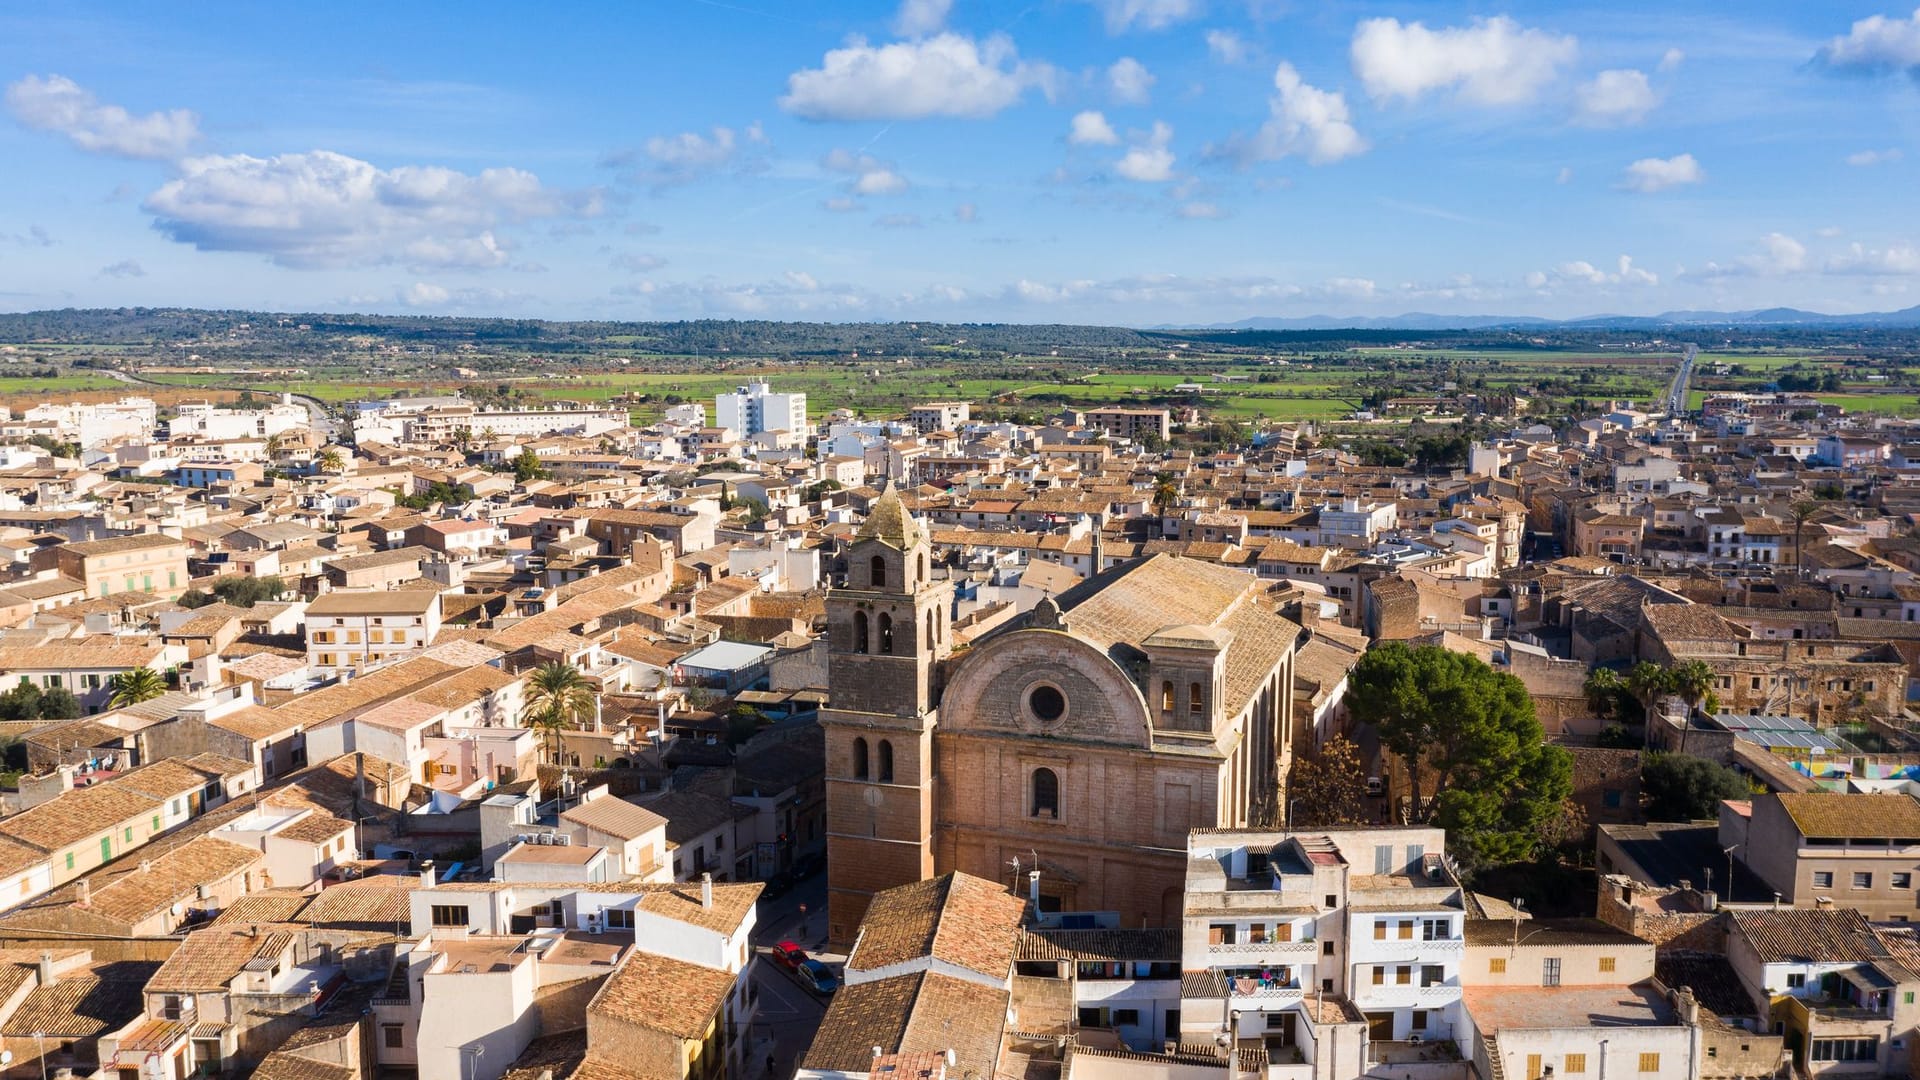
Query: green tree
[1472, 732]
[1645, 682]
[1604, 691]
[528, 467]
[21, 703]
[742, 722]
[1678, 787]
[557, 697]
[59, 704]
[331, 462]
[1328, 787]
[135, 685]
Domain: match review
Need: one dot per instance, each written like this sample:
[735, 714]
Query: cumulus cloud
[1226, 46]
[1619, 96]
[58, 104]
[918, 18]
[1860, 259]
[691, 155]
[944, 75]
[1672, 59]
[1090, 128]
[1303, 120]
[1149, 161]
[125, 268]
[1876, 43]
[1779, 254]
[1866, 158]
[1581, 272]
[1490, 62]
[843, 204]
[425, 294]
[870, 175]
[1129, 81]
[321, 209]
[1123, 15]
[1658, 174]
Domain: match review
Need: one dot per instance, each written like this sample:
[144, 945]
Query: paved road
[317, 416]
[1677, 392]
[789, 1013]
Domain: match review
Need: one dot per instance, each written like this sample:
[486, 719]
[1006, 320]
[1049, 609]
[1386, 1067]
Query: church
[1083, 740]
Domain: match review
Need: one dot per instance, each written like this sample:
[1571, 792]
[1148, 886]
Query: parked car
[790, 956]
[818, 976]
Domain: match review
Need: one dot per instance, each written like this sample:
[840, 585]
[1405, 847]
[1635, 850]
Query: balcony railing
[1264, 951]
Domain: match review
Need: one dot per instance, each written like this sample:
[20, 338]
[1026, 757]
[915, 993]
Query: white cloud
[1491, 62]
[1672, 59]
[425, 294]
[1149, 161]
[1619, 96]
[1583, 273]
[1859, 259]
[1303, 120]
[1129, 81]
[871, 176]
[1865, 158]
[918, 18]
[1090, 128]
[1779, 254]
[943, 75]
[966, 213]
[1201, 211]
[1658, 174]
[325, 209]
[57, 103]
[1876, 43]
[1123, 15]
[637, 262]
[1226, 46]
[125, 268]
[691, 155]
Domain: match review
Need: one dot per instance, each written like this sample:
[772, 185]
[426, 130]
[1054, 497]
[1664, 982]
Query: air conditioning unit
[561, 839]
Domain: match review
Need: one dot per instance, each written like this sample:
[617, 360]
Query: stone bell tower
[886, 633]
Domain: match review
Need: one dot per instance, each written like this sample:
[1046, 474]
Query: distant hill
[1907, 318]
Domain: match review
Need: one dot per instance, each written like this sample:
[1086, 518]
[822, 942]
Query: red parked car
[789, 956]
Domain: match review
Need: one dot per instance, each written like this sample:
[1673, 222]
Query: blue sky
[1115, 161]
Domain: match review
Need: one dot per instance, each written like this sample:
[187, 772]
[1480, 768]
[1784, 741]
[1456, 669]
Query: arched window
[1046, 794]
[1166, 697]
[886, 634]
[877, 572]
[859, 631]
[930, 630]
[860, 759]
[924, 575]
[1196, 699]
[886, 762]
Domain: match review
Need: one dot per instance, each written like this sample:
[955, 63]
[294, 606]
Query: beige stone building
[1084, 740]
[148, 562]
[1857, 851]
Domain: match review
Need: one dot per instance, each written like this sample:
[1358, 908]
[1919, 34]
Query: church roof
[889, 522]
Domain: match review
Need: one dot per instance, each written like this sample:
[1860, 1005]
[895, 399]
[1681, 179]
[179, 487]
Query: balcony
[1405, 997]
[1240, 953]
[1265, 989]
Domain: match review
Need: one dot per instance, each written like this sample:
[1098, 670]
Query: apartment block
[352, 631]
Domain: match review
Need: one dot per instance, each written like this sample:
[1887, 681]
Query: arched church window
[859, 631]
[860, 771]
[877, 572]
[886, 634]
[886, 762]
[1046, 794]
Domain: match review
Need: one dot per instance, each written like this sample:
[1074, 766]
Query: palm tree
[1646, 681]
[557, 696]
[1602, 690]
[135, 685]
[1801, 511]
[1693, 681]
[330, 461]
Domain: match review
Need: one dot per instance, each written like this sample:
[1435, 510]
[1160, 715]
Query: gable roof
[958, 918]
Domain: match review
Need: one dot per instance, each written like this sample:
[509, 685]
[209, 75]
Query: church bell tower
[887, 631]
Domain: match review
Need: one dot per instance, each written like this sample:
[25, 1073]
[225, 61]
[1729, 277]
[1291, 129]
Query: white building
[204, 420]
[94, 424]
[754, 408]
[352, 631]
[1356, 523]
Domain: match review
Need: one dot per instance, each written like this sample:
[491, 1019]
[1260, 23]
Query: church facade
[1084, 740]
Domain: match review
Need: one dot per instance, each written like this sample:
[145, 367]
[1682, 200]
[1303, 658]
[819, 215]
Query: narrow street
[789, 1013]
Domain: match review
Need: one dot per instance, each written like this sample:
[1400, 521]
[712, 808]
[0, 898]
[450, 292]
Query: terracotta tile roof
[331, 702]
[264, 905]
[615, 817]
[209, 959]
[663, 994]
[287, 1066]
[731, 902]
[372, 903]
[1117, 944]
[1804, 935]
[77, 815]
[957, 918]
[1549, 932]
[911, 1014]
[258, 721]
[172, 878]
[1834, 814]
[316, 828]
[83, 1003]
[553, 1056]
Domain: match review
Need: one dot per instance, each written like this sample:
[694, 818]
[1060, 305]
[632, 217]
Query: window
[1046, 703]
[1846, 1049]
[1550, 971]
[1432, 975]
[859, 631]
[1221, 934]
[618, 918]
[886, 760]
[1823, 879]
[394, 1036]
[1326, 947]
[129, 834]
[1403, 975]
[1862, 879]
[1796, 980]
[1606, 965]
[1649, 1063]
[860, 759]
[1379, 976]
[1903, 881]
[1436, 930]
[1574, 1063]
[1166, 697]
[449, 914]
[1379, 929]
[1406, 929]
[1126, 1017]
[1497, 965]
[69, 860]
[1046, 794]
[156, 823]
[886, 634]
[1196, 700]
[877, 572]
[1419, 1020]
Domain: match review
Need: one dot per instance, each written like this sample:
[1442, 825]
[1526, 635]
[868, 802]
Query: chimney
[46, 970]
[426, 874]
[706, 890]
[146, 866]
[1033, 890]
[879, 1052]
[82, 892]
